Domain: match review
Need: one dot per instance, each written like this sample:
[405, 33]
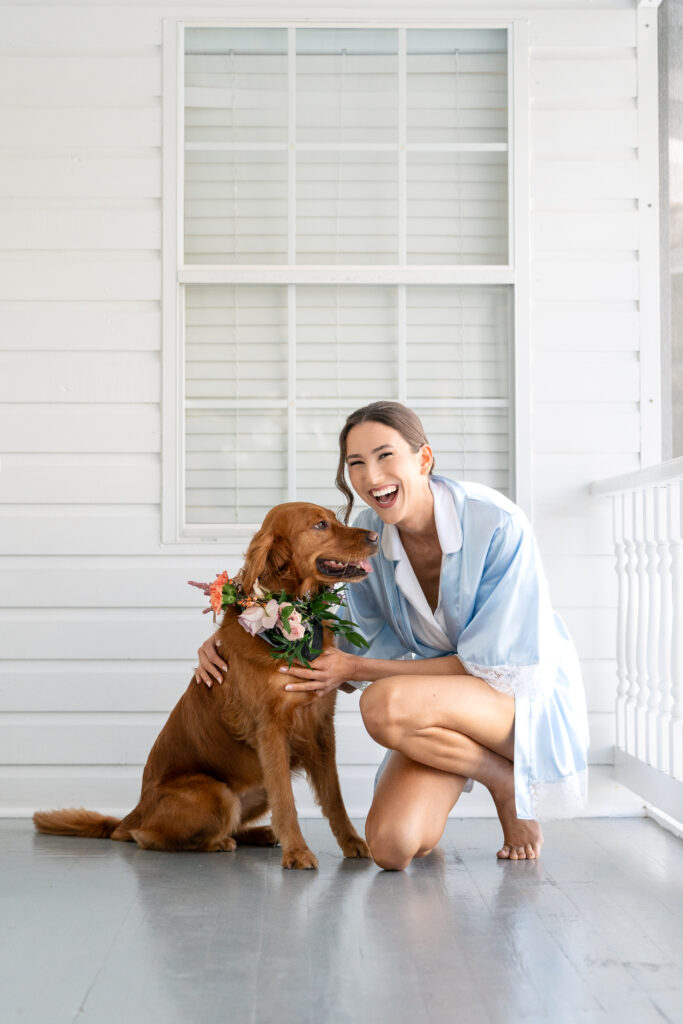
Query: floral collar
[292, 626]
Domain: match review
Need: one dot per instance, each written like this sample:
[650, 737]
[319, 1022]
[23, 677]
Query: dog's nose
[372, 537]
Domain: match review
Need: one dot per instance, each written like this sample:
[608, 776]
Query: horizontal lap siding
[584, 319]
[98, 629]
[97, 634]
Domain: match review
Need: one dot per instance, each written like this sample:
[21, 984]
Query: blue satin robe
[503, 629]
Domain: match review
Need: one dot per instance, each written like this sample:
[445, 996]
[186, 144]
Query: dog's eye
[322, 525]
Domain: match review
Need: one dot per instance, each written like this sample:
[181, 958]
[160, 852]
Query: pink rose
[293, 630]
[258, 618]
[251, 619]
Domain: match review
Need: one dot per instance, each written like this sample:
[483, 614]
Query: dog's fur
[225, 755]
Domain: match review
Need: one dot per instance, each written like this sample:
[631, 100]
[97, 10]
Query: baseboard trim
[656, 788]
[117, 794]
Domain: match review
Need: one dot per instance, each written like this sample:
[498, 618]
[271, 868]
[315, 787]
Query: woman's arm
[333, 668]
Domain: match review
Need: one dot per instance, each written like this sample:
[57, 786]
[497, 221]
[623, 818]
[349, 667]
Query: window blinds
[357, 148]
[346, 354]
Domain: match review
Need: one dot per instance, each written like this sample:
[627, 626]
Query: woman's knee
[393, 843]
[391, 850]
[381, 706]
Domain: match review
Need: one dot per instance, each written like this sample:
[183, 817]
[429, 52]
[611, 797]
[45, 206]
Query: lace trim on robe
[515, 680]
[565, 798]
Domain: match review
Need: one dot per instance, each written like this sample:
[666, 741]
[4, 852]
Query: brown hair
[392, 414]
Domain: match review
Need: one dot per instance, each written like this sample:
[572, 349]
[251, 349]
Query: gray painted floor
[92, 930]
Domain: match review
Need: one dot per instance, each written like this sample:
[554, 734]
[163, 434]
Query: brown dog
[225, 755]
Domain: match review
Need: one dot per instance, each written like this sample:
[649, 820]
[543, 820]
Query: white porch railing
[647, 507]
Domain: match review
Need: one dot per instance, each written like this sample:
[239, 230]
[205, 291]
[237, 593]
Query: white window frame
[232, 537]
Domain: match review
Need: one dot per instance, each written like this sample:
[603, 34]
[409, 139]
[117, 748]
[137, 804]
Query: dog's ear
[268, 559]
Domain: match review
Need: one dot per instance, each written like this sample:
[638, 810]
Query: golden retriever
[225, 756]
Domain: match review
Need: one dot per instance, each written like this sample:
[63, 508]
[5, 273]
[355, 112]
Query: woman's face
[385, 473]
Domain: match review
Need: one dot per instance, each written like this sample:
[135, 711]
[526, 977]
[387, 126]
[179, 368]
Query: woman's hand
[329, 670]
[211, 663]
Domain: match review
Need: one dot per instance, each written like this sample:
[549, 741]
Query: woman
[469, 673]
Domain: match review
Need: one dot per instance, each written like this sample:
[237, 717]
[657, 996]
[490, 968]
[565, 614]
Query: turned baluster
[662, 530]
[622, 603]
[676, 547]
[640, 498]
[653, 627]
[631, 622]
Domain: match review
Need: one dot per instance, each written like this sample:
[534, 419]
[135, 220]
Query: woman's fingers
[295, 673]
[202, 677]
[211, 663]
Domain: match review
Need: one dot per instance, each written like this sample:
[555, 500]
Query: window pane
[457, 85]
[235, 464]
[457, 352]
[235, 341]
[457, 208]
[235, 85]
[235, 207]
[458, 342]
[470, 444]
[347, 85]
[346, 343]
[347, 208]
[317, 441]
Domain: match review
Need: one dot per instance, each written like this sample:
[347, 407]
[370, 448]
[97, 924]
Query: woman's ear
[268, 560]
[426, 458]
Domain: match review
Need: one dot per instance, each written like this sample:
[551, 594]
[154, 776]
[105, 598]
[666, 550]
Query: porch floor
[92, 930]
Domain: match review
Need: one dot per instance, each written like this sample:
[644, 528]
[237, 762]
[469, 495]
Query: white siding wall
[98, 630]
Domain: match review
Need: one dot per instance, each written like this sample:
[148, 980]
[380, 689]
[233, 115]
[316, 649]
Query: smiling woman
[469, 673]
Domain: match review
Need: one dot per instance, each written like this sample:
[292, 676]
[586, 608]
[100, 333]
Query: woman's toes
[504, 853]
[530, 852]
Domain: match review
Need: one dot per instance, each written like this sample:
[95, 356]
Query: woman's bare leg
[409, 811]
[460, 725]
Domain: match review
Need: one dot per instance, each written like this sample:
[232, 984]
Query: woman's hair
[392, 414]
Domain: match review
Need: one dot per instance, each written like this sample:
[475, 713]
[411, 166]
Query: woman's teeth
[385, 496]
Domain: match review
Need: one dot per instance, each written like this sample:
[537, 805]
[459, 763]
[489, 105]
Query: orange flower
[216, 592]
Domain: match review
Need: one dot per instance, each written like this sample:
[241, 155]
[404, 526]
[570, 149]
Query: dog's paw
[303, 859]
[226, 845]
[354, 846]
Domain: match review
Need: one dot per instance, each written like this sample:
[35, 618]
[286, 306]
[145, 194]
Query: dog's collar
[293, 626]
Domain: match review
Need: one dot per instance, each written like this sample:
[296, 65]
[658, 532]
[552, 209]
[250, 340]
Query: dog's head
[302, 548]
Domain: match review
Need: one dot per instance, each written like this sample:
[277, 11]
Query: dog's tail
[75, 821]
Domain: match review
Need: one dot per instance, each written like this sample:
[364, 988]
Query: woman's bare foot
[522, 839]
